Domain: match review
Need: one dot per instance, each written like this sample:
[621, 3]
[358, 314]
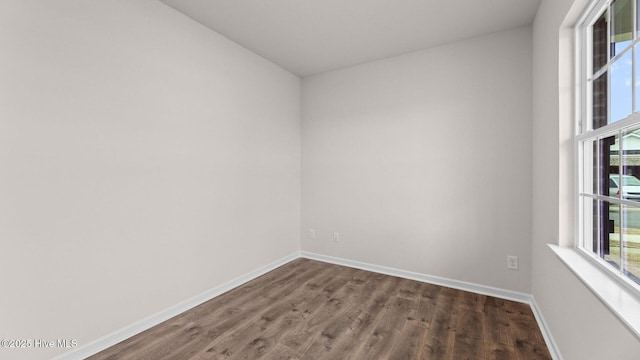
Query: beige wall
[406, 158]
[582, 327]
[144, 159]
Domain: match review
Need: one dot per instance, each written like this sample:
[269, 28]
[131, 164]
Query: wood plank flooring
[313, 310]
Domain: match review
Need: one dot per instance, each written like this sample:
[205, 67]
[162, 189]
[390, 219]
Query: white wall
[582, 327]
[406, 158]
[144, 159]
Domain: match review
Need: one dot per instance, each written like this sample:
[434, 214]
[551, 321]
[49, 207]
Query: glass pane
[621, 93]
[610, 233]
[606, 228]
[599, 101]
[631, 165]
[637, 82]
[589, 164]
[608, 167]
[631, 243]
[590, 224]
[599, 43]
[621, 26]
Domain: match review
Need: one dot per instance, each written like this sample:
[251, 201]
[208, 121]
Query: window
[608, 137]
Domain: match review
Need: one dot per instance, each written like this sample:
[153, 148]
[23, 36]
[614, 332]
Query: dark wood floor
[313, 310]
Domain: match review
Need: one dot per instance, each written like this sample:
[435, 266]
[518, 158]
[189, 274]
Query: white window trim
[619, 294]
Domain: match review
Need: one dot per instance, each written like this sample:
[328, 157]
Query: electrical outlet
[312, 233]
[336, 236]
[512, 262]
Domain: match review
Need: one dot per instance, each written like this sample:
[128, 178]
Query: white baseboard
[460, 285]
[153, 320]
[544, 328]
[140, 326]
[455, 284]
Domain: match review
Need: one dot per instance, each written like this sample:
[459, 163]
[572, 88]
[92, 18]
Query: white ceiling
[308, 37]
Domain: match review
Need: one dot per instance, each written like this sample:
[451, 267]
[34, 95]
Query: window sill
[621, 301]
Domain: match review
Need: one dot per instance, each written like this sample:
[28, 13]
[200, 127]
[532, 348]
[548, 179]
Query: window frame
[584, 75]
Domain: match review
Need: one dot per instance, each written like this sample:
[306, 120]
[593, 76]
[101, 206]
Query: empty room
[337, 179]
